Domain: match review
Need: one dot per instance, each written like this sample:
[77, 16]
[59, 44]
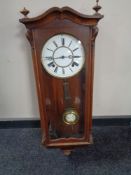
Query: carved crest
[63, 13]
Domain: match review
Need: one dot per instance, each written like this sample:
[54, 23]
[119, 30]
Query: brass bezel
[70, 111]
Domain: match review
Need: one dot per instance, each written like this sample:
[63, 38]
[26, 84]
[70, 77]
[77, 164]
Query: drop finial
[97, 7]
[25, 12]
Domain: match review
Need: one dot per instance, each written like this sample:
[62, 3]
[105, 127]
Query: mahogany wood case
[55, 133]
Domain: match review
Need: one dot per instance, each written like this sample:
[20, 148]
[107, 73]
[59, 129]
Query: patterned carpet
[21, 153]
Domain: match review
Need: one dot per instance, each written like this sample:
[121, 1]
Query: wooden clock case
[50, 89]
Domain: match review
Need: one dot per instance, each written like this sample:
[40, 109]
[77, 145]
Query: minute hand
[62, 57]
[73, 56]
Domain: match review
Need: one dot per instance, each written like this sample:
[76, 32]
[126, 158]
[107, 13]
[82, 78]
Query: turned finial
[25, 12]
[97, 7]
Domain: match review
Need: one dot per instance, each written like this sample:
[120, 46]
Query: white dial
[63, 56]
[70, 118]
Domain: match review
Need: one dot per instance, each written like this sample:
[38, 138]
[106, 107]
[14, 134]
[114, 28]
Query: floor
[21, 153]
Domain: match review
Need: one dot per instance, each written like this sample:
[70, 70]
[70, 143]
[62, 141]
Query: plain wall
[112, 78]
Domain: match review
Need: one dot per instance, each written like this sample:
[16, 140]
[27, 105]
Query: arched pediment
[63, 13]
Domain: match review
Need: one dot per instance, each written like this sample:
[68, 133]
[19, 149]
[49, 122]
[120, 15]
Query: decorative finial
[25, 12]
[97, 7]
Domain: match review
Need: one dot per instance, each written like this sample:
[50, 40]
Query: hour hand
[48, 58]
[74, 56]
[59, 57]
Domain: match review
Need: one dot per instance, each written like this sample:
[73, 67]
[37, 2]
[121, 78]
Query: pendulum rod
[67, 97]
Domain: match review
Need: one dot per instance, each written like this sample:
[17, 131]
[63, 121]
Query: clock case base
[68, 148]
[67, 143]
[39, 29]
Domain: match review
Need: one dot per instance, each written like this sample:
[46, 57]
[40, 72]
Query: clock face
[70, 117]
[63, 56]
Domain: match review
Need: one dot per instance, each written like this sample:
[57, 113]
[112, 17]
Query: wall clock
[62, 42]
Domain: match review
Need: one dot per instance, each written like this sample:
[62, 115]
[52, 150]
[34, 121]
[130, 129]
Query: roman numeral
[77, 56]
[63, 70]
[70, 69]
[63, 41]
[70, 44]
[50, 50]
[56, 69]
[75, 64]
[75, 49]
[55, 43]
[51, 64]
